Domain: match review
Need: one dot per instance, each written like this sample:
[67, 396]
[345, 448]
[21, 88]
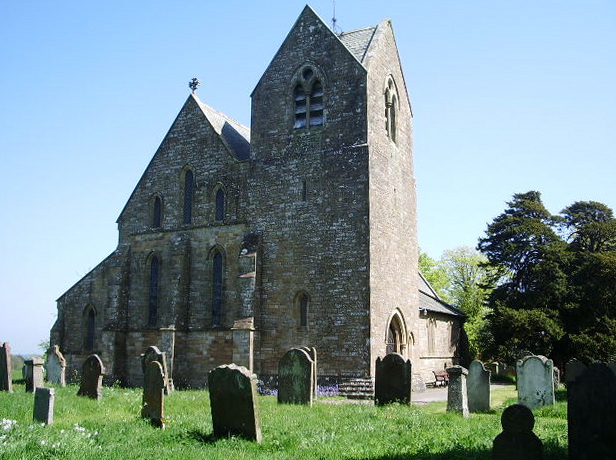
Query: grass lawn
[112, 429]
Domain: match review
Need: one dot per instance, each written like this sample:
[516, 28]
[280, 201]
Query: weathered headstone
[312, 352]
[478, 387]
[6, 368]
[535, 381]
[393, 380]
[154, 354]
[153, 405]
[34, 374]
[457, 396]
[233, 400]
[296, 378]
[43, 405]
[92, 378]
[55, 367]
[591, 410]
[517, 441]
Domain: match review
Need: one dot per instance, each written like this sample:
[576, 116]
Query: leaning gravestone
[535, 381]
[6, 369]
[296, 378]
[517, 441]
[43, 405]
[154, 354]
[233, 400]
[34, 374]
[478, 387]
[457, 395]
[153, 406]
[393, 380]
[312, 352]
[92, 378]
[591, 410]
[55, 367]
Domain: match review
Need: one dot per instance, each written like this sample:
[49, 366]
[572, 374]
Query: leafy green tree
[436, 275]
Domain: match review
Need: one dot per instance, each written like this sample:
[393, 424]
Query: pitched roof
[430, 301]
[235, 135]
[358, 41]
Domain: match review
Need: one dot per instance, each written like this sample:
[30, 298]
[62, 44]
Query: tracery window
[154, 291]
[308, 99]
[391, 108]
[189, 190]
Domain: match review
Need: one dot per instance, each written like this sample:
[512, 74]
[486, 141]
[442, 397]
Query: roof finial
[194, 84]
[334, 20]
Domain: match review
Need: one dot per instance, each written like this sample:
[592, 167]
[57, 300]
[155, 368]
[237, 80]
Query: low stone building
[239, 243]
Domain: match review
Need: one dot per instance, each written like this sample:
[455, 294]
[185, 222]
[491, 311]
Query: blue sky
[507, 97]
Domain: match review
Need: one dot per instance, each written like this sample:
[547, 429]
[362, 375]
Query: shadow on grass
[561, 394]
[202, 437]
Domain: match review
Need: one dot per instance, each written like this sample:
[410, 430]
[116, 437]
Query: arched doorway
[395, 341]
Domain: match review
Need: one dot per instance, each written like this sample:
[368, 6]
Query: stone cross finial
[194, 84]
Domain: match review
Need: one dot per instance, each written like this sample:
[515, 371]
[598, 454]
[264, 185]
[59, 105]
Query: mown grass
[112, 429]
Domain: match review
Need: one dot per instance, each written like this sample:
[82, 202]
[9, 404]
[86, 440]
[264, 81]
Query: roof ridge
[219, 113]
[357, 30]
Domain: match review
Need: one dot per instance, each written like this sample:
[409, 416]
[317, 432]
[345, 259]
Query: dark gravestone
[34, 374]
[393, 380]
[154, 354]
[153, 406]
[296, 378]
[233, 399]
[478, 387]
[6, 369]
[43, 405]
[92, 378]
[591, 411]
[457, 395]
[517, 441]
[55, 367]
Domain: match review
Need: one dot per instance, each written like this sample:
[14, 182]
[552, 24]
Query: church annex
[239, 243]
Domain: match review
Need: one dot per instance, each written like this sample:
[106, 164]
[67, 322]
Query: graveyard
[332, 428]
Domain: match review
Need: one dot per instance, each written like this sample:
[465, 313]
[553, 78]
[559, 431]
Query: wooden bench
[441, 378]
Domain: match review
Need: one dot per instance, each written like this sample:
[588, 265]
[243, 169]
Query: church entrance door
[395, 342]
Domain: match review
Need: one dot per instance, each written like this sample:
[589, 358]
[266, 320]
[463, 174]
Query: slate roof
[235, 135]
[358, 41]
[430, 301]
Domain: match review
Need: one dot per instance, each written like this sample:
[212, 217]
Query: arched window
[89, 328]
[217, 291]
[157, 212]
[431, 324]
[219, 213]
[189, 187]
[391, 107]
[302, 305]
[154, 291]
[308, 100]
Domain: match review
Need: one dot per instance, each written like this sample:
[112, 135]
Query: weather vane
[194, 84]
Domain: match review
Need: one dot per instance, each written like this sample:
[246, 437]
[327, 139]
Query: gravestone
[517, 441]
[34, 374]
[457, 396]
[535, 381]
[393, 380]
[591, 410]
[312, 352]
[154, 354]
[55, 367]
[153, 405]
[92, 378]
[296, 378]
[478, 387]
[6, 368]
[43, 405]
[233, 400]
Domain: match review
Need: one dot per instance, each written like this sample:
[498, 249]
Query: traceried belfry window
[308, 100]
[189, 187]
[391, 108]
[154, 291]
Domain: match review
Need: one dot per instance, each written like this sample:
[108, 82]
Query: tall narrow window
[154, 291]
[217, 279]
[431, 335]
[157, 212]
[304, 190]
[303, 310]
[89, 323]
[308, 100]
[391, 107]
[220, 205]
[189, 186]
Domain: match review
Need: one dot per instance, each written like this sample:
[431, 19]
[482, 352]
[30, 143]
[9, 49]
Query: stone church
[239, 243]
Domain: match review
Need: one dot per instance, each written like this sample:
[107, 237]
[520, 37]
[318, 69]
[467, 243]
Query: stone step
[357, 389]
